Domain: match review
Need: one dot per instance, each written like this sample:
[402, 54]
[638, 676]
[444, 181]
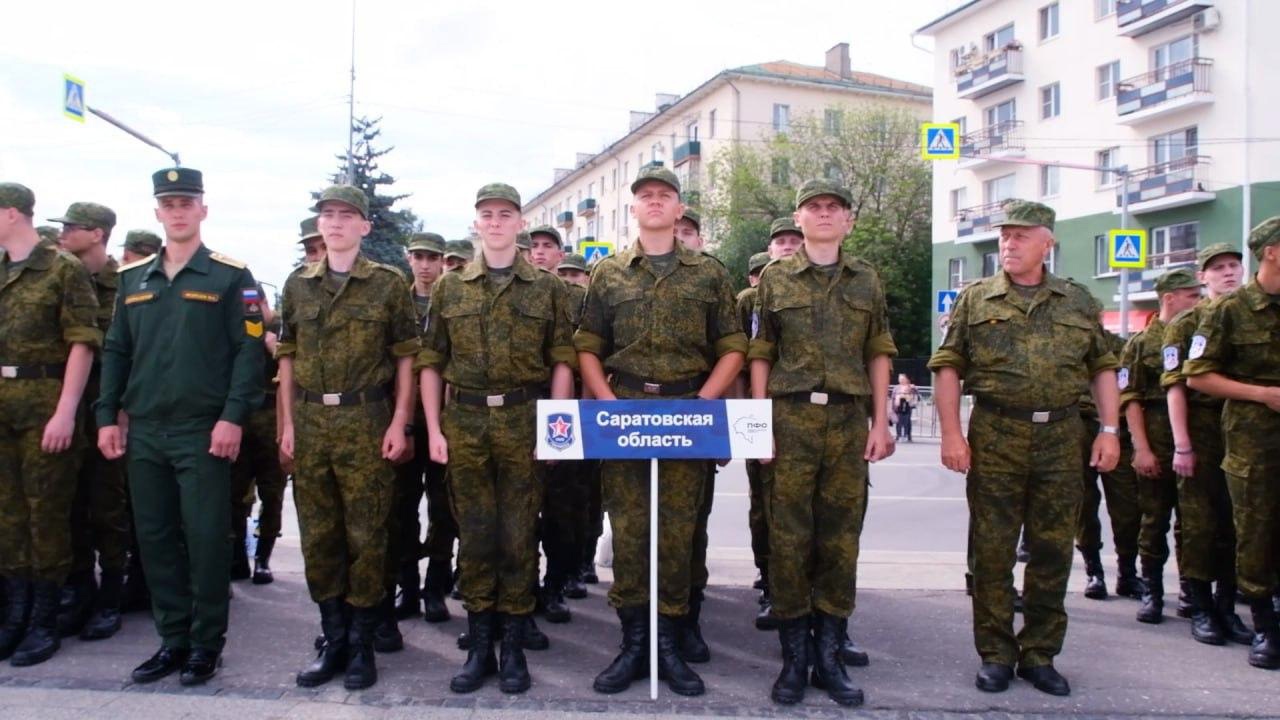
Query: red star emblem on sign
[560, 428]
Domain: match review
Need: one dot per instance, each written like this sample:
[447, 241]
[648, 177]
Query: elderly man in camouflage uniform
[347, 347]
[660, 321]
[824, 394]
[1027, 344]
[1235, 354]
[47, 337]
[1208, 536]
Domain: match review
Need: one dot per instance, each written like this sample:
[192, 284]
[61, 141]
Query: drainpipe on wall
[1246, 189]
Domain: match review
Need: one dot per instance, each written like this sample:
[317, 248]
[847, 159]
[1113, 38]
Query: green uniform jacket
[51, 290]
[1177, 342]
[1141, 365]
[105, 285]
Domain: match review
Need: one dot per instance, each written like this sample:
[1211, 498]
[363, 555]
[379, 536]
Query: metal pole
[653, 579]
[135, 133]
[351, 101]
[1124, 271]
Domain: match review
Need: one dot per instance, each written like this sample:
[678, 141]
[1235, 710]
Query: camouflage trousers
[343, 490]
[415, 478]
[36, 488]
[1121, 489]
[756, 522]
[698, 565]
[258, 469]
[100, 522]
[1208, 536]
[1158, 496]
[816, 499]
[496, 489]
[1252, 466]
[1022, 475]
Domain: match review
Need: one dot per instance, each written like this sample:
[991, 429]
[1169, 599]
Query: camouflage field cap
[498, 191]
[814, 188]
[1206, 256]
[461, 249]
[548, 231]
[1177, 279]
[18, 197]
[757, 262]
[187, 182]
[427, 242]
[1025, 213]
[47, 232]
[573, 262]
[1266, 234]
[142, 242]
[87, 214]
[655, 172]
[692, 216]
[783, 225]
[308, 229]
[347, 195]
[524, 240]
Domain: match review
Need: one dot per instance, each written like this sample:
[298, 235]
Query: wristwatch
[1109, 429]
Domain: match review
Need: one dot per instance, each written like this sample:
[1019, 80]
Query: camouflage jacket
[662, 329]
[105, 284]
[45, 306]
[1177, 341]
[748, 314]
[1141, 364]
[577, 295]
[819, 333]
[1088, 408]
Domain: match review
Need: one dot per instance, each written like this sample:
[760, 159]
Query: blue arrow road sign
[946, 298]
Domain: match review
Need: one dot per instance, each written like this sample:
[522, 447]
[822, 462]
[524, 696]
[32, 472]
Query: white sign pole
[653, 579]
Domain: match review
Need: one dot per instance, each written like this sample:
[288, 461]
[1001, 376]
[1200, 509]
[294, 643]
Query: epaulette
[136, 263]
[391, 269]
[225, 260]
[706, 254]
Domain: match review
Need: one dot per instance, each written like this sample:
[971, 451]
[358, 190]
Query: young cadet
[139, 244]
[498, 333]
[573, 271]
[457, 253]
[660, 321]
[47, 339]
[183, 361]
[311, 240]
[1235, 354]
[347, 347]
[823, 352]
[1142, 400]
[1208, 535]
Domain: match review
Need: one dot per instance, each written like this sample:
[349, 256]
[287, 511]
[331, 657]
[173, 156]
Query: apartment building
[591, 200]
[1179, 92]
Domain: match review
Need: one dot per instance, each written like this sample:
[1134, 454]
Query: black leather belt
[362, 397]
[32, 372]
[667, 389]
[820, 398]
[1027, 415]
[515, 397]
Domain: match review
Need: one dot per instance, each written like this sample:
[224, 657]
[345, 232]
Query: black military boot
[1129, 584]
[239, 553]
[437, 583]
[764, 616]
[1265, 652]
[386, 633]
[793, 635]
[332, 656]
[828, 669]
[850, 653]
[691, 645]
[481, 662]
[75, 603]
[1095, 584]
[553, 603]
[574, 586]
[1205, 625]
[671, 667]
[262, 561]
[362, 668]
[589, 572]
[534, 638]
[1186, 606]
[1225, 603]
[1152, 610]
[41, 640]
[968, 584]
[16, 614]
[408, 601]
[137, 597]
[633, 662]
[513, 671]
[105, 620]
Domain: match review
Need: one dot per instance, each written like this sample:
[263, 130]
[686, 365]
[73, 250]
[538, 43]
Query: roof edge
[940, 22]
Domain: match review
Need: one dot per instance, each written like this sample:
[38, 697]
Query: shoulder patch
[136, 263]
[1122, 378]
[1197, 347]
[226, 260]
[1171, 357]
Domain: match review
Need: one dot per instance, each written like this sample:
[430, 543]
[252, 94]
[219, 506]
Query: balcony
[585, 239]
[1167, 185]
[587, 208]
[1139, 17]
[565, 219]
[990, 145]
[691, 150]
[1165, 91]
[978, 223]
[988, 73]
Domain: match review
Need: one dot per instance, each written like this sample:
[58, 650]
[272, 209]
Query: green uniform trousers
[1158, 496]
[404, 528]
[1204, 503]
[258, 468]
[756, 522]
[816, 500]
[181, 510]
[1252, 465]
[442, 527]
[698, 565]
[496, 491]
[1024, 478]
[343, 489]
[1121, 489]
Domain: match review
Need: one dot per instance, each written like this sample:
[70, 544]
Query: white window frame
[1050, 17]
[955, 273]
[1051, 106]
[1103, 9]
[992, 116]
[832, 119]
[1108, 157]
[711, 124]
[691, 131]
[1106, 78]
[959, 198]
[1160, 237]
[1174, 145]
[991, 41]
[995, 262]
[1159, 63]
[1050, 181]
[781, 118]
[987, 186]
[1052, 262]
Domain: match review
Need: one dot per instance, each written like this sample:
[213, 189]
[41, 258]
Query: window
[1006, 111]
[1102, 256]
[691, 131]
[1109, 158]
[639, 161]
[1108, 79]
[1166, 59]
[959, 200]
[1173, 244]
[1103, 8]
[711, 124]
[955, 273]
[781, 118]
[781, 174]
[1174, 146]
[656, 151]
[613, 219]
[1049, 186]
[613, 180]
[1048, 22]
[831, 121]
[955, 56]
[1050, 101]
[990, 263]
[626, 171]
[998, 39]
[1052, 261]
[591, 190]
[997, 190]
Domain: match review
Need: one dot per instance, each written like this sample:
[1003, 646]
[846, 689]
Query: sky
[255, 94]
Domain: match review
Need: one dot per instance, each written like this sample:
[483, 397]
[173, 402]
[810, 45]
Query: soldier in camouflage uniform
[457, 253]
[346, 348]
[48, 334]
[499, 333]
[100, 523]
[311, 240]
[659, 319]
[1027, 344]
[822, 350]
[1208, 536]
[139, 244]
[1143, 402]
[1235, 354]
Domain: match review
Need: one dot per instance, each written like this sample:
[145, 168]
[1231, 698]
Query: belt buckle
[495, 400]
[331, 399]
[9, 371]
[819, 398]
[653, 388]
[1040, 416]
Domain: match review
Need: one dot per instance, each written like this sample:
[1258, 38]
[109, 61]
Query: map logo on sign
[560, 430]
[1128, 248]
[940, 141]
[748, 428]
[73, 98]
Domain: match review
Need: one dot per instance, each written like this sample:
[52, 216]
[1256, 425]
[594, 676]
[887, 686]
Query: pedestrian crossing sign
[73, 98]
[940, 141]
[1128, 248]
[595, 250]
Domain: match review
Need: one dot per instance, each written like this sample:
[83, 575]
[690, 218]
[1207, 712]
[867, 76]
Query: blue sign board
[946, 298]
[654, 429]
